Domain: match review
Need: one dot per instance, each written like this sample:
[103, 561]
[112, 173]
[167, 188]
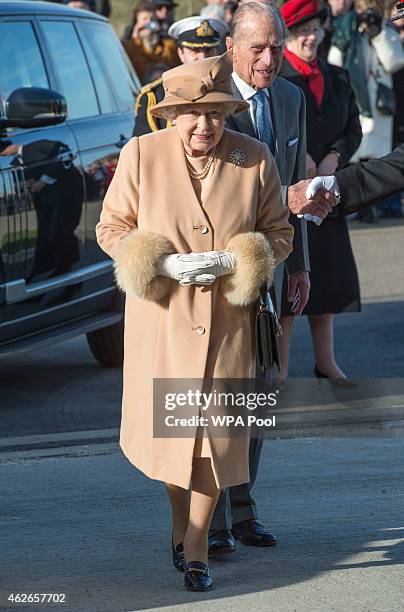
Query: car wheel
[106, 345]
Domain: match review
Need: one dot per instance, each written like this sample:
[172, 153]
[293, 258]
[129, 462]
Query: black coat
[370, 182]
[335, 124]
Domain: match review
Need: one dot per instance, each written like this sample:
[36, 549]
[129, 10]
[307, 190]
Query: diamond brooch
[237, 157]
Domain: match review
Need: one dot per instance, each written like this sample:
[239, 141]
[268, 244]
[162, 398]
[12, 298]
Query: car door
[99, 135]
[41, 237]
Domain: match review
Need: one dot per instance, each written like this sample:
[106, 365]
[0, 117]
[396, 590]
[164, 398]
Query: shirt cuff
[48, 179]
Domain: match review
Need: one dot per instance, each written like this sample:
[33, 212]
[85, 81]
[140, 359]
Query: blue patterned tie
[263, 120]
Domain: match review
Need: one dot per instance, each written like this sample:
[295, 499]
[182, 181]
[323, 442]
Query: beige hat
[205, 81]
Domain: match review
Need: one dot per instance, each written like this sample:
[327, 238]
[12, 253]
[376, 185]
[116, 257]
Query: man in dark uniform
[197, 38]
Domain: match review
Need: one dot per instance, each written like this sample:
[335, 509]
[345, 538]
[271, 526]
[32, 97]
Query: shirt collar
[246, 91]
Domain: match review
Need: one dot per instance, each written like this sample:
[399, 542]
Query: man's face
[187, 55]
[257, 51]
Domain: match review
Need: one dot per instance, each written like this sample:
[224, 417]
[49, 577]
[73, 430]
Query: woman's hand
[222, 263]
[187, 269]
[311, 168]
[328, 165]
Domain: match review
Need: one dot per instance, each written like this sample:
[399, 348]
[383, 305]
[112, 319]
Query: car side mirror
[33, 107]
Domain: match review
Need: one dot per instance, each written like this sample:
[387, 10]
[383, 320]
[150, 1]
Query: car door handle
[122, 141]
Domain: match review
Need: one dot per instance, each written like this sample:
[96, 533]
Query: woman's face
[200, 127]
[143, 18]
[305, 39]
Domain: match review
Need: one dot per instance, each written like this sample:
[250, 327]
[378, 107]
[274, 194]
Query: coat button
[200, 330]
[203, 229]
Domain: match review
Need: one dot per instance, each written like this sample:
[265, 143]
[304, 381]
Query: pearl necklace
[205, 170]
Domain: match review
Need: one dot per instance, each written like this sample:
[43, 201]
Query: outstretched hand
[319, 204]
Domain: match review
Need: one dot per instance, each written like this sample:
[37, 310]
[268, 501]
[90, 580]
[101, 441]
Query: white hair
[260, 10]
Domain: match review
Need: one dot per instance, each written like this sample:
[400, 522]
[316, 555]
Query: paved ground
[97, 530]
[379, 256]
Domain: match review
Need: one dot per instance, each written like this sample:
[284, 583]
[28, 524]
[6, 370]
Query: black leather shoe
[221, 541]
[178, 556]
[197, 577]
[251, 533]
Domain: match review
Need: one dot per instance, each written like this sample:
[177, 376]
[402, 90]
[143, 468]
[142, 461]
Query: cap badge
[204, 30]
[237, 157]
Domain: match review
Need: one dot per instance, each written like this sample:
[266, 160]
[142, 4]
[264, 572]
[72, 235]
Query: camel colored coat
[151, 210]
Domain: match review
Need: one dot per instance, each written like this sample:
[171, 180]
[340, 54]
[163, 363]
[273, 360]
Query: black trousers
[236, 504]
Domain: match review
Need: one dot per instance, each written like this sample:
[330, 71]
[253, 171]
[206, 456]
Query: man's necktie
[263, 120]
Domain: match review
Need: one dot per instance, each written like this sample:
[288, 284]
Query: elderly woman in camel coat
[194, 222]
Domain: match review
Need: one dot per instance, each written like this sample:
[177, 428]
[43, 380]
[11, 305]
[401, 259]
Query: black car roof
[25, 7]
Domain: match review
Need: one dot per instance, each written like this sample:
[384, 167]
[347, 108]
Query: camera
[153, 26]
[400, 12]
[370, 18]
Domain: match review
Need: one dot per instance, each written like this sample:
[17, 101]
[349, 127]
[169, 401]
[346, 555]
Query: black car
[67, 99]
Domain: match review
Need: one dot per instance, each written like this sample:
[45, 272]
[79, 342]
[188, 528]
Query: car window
[104, 92]
[71, 68]
[21, 62]
[111, 56]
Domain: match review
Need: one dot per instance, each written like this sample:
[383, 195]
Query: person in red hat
[333, 135]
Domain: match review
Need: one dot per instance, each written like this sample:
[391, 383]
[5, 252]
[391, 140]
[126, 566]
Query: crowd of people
[281, 95]
[360, 37]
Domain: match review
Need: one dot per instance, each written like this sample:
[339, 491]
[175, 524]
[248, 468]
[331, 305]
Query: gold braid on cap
[192, 89]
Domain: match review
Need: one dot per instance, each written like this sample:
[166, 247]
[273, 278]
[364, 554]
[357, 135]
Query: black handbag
[267, 332]
[386, 102]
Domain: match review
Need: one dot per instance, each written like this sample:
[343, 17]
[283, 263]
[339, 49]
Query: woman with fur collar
[194, 222]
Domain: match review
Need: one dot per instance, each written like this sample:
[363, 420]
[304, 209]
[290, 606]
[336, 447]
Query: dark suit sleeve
[41, 158]
[350, 139]
[298, 260]
[370, 182]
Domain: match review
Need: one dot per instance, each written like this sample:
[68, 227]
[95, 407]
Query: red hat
[296, 12]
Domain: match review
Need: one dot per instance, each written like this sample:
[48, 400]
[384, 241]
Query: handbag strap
[266, 292]
[263, 294]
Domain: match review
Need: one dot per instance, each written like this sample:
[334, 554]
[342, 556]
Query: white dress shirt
[247, 93]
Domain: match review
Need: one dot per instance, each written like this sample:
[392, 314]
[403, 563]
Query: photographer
[371, 51]
[148, 46]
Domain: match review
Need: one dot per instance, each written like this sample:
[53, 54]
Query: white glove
[328, 183]
[222, 262]
[180, 266]
[309, 217]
